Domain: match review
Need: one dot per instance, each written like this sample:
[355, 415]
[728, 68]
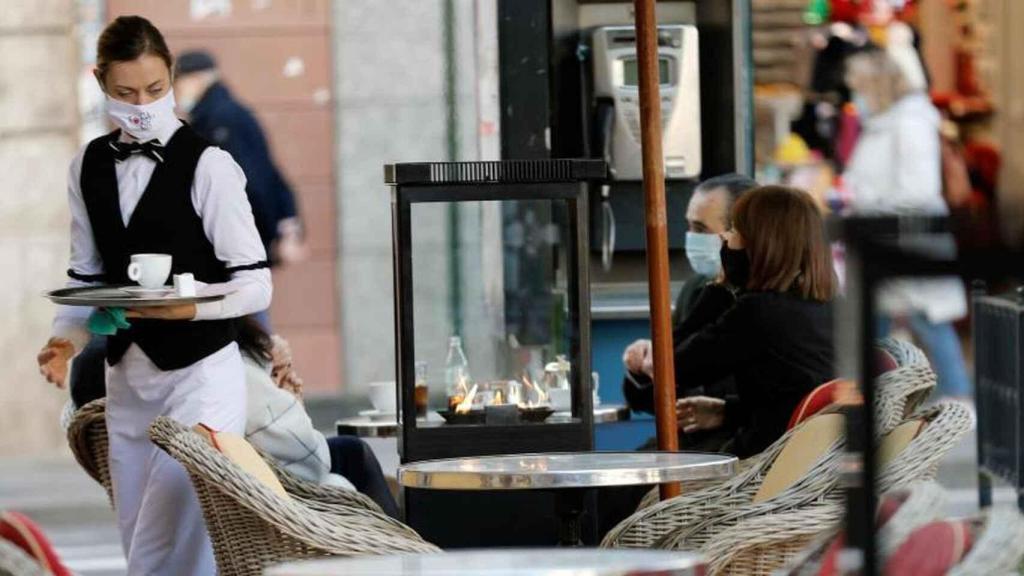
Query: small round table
[506, 562]
[568, 473]
[365, 427]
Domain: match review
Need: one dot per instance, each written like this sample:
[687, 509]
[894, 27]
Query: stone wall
[38, 137]
[389, 70]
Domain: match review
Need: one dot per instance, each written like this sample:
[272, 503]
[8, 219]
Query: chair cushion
[19, 530]
[884, 362]
[807, 444]
[816, 401]
[896, 441]
[932, 549]
[243, 455]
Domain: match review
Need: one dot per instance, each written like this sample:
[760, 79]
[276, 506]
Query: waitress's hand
[700, 413]
[53, 360]
[176, 312]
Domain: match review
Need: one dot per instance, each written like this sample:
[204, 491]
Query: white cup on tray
[150, 270]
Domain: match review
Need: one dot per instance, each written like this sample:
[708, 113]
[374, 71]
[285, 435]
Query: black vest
[164, 222]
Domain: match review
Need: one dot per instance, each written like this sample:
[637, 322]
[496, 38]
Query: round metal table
[568, 473]
[364, 427]
[507, 562]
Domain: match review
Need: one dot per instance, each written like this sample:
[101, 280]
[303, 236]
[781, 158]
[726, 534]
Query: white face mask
[144, 122]
[704, 253]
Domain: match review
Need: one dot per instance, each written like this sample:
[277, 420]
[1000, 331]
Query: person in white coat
[896, 169]
[154, 186]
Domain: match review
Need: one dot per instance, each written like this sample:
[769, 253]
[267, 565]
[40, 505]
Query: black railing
[999, 382]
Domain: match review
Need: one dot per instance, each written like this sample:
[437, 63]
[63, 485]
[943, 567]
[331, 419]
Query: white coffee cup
[150, 270]
[382, 396]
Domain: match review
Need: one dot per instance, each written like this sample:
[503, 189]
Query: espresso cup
[150, 270]
[382, 396]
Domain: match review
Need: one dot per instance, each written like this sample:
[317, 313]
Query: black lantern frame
[509, 180]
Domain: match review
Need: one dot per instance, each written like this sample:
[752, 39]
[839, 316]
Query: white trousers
[161, 523]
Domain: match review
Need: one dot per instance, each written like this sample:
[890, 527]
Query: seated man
[707, 216]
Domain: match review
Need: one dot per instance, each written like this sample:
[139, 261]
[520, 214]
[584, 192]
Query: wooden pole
[657, 232]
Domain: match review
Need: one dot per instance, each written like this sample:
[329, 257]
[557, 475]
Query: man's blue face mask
[704, 253]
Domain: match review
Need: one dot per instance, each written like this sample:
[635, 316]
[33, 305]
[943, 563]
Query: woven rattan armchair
[251, 527]
[898, 393]
[649, 527]
[15, 562]
[926, 502]
[87, 436]
[750, 539]
[740, 537]
[999, 547]
[903, 352]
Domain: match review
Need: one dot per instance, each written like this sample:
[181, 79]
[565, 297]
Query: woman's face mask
[736, 264]
[143, 122]
[704, 253]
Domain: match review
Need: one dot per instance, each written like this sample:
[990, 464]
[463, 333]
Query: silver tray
[122, 297]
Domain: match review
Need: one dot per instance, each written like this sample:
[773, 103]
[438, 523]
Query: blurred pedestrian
[216, 115]
[896, 170]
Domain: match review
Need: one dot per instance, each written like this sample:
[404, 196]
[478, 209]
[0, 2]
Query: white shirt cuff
[209, 310]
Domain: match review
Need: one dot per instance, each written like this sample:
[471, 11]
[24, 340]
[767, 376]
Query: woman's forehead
[138, 73]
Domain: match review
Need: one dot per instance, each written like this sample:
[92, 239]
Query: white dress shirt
[218, 196]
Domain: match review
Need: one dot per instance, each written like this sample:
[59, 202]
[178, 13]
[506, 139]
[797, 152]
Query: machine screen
[631, 72]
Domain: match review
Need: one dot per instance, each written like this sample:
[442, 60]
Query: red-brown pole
[657, 232]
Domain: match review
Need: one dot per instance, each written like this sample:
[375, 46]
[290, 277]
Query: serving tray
[127, 297]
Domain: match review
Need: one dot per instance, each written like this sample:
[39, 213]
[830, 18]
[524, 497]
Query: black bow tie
[123, 150]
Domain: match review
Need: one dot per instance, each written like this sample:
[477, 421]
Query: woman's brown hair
[127, 38]
[784, 236]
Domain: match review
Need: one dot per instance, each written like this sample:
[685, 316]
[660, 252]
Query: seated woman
[767, 322]
[277, 423]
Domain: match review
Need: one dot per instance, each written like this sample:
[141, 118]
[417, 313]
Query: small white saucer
[378, 416]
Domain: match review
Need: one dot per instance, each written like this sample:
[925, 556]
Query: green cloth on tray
[107, 321]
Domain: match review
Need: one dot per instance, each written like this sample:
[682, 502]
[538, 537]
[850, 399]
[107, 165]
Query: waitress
[154, 186]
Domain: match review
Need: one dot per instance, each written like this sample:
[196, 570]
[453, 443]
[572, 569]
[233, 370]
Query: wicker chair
[15, 562]
[736, 548]
[903, 352]
[251, 527]
[999, 547]
[87, 436]
[744, 538]
[926, 502]
[898, 394]
[649, 527]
